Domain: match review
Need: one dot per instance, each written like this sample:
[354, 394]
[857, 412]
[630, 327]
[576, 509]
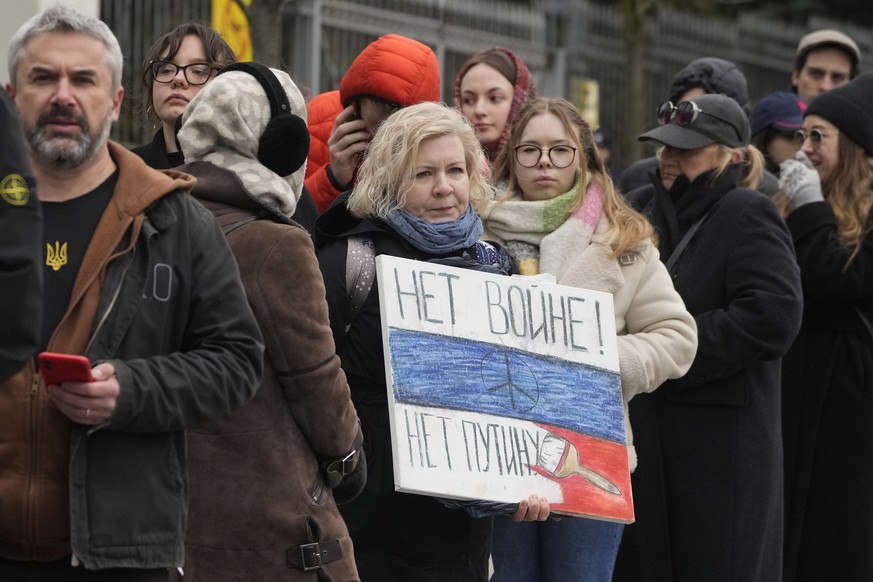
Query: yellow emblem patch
[56, 257]
[14, 190]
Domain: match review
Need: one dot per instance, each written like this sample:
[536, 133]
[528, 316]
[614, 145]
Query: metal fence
[562, 41]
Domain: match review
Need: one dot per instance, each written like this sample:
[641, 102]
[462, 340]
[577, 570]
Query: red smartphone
[57, 368]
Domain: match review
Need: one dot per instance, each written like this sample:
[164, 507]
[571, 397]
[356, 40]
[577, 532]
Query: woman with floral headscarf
[490, 90]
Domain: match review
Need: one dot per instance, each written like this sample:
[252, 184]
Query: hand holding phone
[347, 142]
[58, 368]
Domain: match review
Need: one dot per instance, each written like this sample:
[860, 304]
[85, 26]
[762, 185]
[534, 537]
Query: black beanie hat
[850, 108]
[715, 76]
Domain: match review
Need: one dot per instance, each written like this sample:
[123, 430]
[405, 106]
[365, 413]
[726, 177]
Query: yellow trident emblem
[56, 257]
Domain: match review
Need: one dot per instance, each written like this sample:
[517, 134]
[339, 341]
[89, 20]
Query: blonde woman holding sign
[415, 199]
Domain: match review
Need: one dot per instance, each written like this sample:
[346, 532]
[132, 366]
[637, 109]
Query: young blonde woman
[708, 492]
[560, 215]
[827, 377]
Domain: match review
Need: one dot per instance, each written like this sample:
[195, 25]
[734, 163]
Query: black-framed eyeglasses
[195, 73]
[816, 136]
[560, 156]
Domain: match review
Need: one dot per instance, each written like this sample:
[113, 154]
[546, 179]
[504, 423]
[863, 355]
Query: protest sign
[500, 387]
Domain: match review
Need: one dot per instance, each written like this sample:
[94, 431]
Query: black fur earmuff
[284, 145]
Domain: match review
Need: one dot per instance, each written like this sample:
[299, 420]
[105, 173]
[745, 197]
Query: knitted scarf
[523, 84]
[437, 238]
[544, 236]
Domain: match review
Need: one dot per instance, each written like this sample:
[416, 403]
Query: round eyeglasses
[195, 73]
[560, 156]
[815, 136]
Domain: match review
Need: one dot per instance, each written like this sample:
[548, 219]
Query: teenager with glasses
[174, 70]
[708, 490]
[827, 377]
[561, 216]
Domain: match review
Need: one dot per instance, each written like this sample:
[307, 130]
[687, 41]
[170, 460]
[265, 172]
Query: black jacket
[708, 488]
[397, 536]
[159, 296]
[20, 247]
[827, 388]
[639, 174]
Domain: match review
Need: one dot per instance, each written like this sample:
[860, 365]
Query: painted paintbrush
[559, 457]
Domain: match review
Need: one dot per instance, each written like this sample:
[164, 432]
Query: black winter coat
[827, 395]
[398, 537]
[708, 487]
[21, 243]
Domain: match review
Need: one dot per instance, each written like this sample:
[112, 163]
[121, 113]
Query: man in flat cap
[825, 60]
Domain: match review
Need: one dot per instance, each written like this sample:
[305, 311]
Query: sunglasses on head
[685, 114]
[815, 136]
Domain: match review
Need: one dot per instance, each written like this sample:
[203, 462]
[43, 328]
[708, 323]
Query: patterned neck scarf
[437, 238]
[543, 236]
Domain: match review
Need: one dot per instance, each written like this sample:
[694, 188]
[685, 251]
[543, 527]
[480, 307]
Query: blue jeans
[574, 549]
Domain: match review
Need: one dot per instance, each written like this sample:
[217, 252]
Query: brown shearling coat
[256, 488]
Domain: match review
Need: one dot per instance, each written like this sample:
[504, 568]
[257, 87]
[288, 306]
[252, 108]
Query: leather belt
[312, 556]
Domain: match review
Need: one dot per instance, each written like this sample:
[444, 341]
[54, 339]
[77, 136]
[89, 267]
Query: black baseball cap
[720, 120]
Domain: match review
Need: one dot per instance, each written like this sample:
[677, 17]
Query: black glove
[352, 484]
[347, 475]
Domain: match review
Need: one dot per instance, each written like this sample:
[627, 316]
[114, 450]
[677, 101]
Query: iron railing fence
[562, 41]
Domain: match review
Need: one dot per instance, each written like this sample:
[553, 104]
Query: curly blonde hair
[387, 173]
[629, 227]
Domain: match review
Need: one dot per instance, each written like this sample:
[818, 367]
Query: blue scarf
[438, 238]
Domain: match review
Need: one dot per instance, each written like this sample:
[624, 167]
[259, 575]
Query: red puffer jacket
[392, 67]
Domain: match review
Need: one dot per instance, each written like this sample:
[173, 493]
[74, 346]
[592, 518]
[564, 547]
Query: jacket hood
[224, 125]
[714, 76]
[224, 188]
[394, 68]
[141, 184]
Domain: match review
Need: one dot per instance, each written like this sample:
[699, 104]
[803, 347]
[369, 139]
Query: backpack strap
[360, 274]
[229, 228]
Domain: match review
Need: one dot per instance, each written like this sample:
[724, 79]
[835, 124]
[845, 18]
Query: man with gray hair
[139, 279]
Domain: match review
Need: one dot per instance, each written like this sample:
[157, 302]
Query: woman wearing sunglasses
[827, 377]
[708, 490]
[561, 216]
[175, 69]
